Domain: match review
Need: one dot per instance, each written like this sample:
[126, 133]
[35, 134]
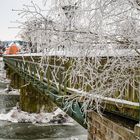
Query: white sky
[7, 16]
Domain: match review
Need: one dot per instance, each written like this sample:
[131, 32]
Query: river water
[14, 130]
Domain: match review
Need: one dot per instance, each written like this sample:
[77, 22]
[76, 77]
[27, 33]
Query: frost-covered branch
[97, 43]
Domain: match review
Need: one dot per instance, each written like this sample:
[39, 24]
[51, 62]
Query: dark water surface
[13, 131]
[29, 131]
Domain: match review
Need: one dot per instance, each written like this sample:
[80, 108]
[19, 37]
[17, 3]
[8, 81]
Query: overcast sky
[7, 16]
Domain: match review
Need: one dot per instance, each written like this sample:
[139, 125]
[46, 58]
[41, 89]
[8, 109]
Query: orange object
[13, 49]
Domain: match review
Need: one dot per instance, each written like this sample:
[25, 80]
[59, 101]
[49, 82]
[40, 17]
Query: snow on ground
[80, 137]
[6, 92]
[18, 116]
[3, 80]
[115, 100]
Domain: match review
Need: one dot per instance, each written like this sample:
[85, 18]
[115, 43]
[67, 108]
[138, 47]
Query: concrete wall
[102, 128]
[31, 100]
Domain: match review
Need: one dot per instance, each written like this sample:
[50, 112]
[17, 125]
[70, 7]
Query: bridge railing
[129, 91]
[51, 74]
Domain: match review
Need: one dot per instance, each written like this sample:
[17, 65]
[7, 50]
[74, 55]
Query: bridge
[41, 77]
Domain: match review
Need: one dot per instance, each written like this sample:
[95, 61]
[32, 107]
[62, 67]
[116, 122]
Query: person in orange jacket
[13, 49]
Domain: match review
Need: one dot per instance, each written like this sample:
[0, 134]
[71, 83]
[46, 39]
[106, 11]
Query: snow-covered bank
[18, 116]
[79, 137]
[8, 91]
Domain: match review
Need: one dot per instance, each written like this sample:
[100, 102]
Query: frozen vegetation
[102, 37]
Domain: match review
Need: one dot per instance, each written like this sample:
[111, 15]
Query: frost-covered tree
[98, 39]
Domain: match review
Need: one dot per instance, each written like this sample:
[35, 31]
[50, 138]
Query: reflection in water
[7, 101]
[29, 131]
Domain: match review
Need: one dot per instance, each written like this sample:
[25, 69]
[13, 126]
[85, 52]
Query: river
[14, 130]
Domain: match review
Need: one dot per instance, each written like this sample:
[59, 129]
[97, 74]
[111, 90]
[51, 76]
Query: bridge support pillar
[137, 130]
[14, 77]
[104, 128]
[33, 101]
